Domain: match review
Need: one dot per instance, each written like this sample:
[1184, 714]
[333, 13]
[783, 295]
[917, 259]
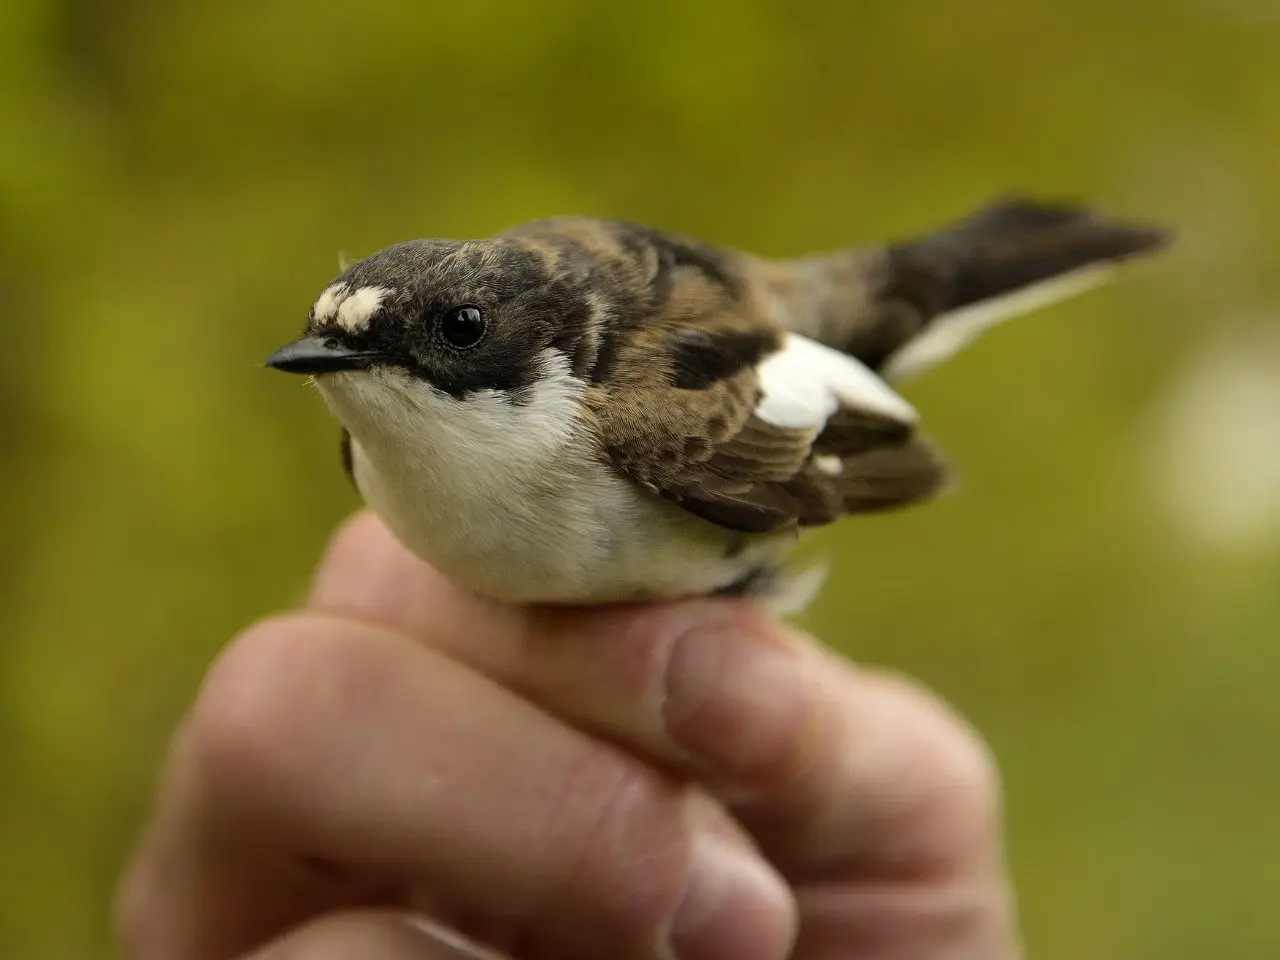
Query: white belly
[595, 539]
[511, 501]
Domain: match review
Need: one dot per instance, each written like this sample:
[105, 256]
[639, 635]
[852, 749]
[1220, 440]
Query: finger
[371, 935]
[329, 762]
[828, 764]
[366, 574]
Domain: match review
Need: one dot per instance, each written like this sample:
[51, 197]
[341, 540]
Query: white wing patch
[804, 383]
[947, 334]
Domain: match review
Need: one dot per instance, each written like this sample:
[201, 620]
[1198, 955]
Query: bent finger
[828, 764]
[330, 763]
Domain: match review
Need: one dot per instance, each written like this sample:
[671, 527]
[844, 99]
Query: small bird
[585, 411]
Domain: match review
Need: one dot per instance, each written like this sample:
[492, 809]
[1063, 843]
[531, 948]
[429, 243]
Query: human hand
[687, 780]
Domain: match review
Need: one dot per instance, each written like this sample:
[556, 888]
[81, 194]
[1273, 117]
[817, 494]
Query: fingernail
[735, 907]
[734, 700]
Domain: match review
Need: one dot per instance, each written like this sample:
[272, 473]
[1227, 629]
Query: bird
[584, 411]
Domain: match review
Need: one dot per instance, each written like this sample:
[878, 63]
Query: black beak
[310, 355]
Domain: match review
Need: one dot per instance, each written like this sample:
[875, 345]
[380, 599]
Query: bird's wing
[804, 437]
[714, 406]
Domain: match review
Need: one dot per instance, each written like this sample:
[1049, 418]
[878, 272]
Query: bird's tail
[905, 306]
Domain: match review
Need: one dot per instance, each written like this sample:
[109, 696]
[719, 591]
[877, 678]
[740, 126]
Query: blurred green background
[1102, 596]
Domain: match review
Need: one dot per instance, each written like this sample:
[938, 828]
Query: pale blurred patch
[1248, 11]
[1215, 451]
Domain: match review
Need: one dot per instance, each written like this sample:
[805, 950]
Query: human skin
[400, 761]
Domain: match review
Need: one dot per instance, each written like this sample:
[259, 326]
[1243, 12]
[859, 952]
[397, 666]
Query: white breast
[509, 500]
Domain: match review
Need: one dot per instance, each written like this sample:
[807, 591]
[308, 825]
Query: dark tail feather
[1015, 244]
[913, 303]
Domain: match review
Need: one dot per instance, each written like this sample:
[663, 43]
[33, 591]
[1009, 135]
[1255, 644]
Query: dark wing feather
[681, 412]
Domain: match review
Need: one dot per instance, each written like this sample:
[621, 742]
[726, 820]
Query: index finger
[827, 764]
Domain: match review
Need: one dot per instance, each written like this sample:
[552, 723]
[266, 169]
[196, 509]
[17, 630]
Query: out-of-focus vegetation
[1101, 596]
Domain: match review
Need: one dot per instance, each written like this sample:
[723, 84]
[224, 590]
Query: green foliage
[176, 180]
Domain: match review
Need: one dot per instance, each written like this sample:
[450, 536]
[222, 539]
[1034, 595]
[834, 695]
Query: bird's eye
[463, 327]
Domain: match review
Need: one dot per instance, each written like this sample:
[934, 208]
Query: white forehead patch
[327, 305]
[358, 308]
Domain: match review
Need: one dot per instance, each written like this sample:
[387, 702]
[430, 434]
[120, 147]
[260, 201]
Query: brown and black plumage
[691, 322]
[579, 358]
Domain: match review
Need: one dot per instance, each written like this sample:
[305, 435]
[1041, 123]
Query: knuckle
[354, 534]
[966, 799]
[254, 715]
[631, 849]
